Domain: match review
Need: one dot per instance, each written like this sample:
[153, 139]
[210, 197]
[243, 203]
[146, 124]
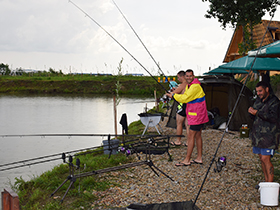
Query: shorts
[196, 127]
[263, 151]
[181, 110]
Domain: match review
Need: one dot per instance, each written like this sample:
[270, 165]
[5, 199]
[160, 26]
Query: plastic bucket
[112, 147]
[269, 192]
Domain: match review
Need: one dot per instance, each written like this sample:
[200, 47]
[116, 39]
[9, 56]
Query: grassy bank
[80, 84]
[35, 194]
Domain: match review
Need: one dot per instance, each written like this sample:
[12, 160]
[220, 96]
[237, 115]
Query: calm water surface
[56, 115]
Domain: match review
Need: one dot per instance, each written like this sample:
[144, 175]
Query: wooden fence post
[115, 116]
[10, 200]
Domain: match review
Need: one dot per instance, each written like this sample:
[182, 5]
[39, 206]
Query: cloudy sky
[55, 34]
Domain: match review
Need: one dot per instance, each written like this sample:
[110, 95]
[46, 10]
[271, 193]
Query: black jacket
[265, 132]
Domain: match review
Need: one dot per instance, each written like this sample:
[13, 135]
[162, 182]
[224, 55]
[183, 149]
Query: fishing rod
[26, 162]
[10, 166]
[81, 135]
[140, 40]
[29, 164]
[233, 111]
[87, 15]
[44, 157]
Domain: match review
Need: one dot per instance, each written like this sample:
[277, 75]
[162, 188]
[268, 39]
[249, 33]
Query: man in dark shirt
[181, 109]
[265, 130]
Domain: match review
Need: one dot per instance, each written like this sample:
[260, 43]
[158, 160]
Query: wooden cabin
[259, 30]
[273, 34]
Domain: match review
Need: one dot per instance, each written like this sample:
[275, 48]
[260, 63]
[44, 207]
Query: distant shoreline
[80, 84]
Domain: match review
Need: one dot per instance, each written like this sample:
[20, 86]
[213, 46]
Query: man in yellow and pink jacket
[196, 111]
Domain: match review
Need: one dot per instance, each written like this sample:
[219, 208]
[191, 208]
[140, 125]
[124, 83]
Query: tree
[4, 69]
[245, 13]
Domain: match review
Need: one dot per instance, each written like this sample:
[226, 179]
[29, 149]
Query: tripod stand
[148, 162]
[71, 176]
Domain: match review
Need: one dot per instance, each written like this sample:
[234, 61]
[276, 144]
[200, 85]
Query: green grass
[136, 127]
[35, 194]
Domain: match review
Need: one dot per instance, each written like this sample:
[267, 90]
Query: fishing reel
[222, 161]
[152, 141]
[165, 99]
[125, 151]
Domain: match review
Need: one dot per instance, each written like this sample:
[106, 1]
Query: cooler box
[244, 132]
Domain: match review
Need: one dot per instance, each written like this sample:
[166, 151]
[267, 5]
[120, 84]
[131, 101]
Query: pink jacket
[194, 97]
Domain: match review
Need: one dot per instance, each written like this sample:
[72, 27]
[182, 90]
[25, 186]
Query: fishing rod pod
[72, 177]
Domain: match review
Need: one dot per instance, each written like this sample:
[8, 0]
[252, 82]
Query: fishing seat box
[244, 132]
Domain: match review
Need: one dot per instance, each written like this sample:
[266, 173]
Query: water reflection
[56, 115]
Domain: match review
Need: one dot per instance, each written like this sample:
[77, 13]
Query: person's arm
[179, 89]
[252, 111]
[195, 91]
[272, 114]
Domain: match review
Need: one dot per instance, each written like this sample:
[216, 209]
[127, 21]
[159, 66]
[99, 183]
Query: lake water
[56, 115]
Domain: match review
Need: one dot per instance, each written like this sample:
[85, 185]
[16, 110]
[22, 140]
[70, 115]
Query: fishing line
[87, 15]
[233, 111]
[140, 40]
